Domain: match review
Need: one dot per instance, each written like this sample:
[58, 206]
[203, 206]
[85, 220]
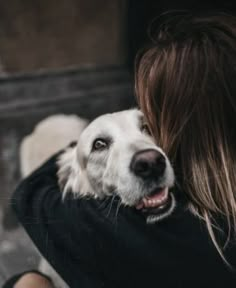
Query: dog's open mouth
[158, 202]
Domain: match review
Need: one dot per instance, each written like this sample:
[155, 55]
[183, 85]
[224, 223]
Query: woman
[186, 88]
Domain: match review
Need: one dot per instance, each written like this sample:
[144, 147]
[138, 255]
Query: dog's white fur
[98, 174]
[49, 136]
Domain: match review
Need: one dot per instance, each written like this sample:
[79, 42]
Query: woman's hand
[33, 280]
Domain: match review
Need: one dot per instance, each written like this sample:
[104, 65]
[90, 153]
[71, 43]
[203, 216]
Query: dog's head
[116, 154]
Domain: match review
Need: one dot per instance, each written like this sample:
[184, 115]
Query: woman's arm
[60, 229]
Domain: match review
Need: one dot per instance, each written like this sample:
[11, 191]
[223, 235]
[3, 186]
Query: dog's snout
[148, 164]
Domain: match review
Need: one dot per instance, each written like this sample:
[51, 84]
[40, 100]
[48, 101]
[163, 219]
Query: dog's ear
[71, 177]
[68, 171]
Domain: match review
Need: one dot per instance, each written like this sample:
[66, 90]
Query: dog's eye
[99, 144]
[145, 129]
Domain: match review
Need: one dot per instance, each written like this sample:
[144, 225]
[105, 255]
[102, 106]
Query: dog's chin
[157, 205]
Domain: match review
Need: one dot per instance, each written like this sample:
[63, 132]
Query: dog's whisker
[117, 208]
[103, 202]
[112, 200]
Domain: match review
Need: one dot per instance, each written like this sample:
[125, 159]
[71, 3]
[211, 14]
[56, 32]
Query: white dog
[116, 154]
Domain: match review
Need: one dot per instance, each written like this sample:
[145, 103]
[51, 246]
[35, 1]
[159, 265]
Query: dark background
[141, 13]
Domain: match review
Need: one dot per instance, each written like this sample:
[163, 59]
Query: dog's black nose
[148, 164]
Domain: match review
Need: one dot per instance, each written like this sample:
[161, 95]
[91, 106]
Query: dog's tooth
[145, 201]
[151, 203]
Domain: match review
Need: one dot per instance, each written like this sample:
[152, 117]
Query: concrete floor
[17, 252]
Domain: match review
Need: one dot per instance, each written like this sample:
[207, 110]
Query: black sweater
[94, 244]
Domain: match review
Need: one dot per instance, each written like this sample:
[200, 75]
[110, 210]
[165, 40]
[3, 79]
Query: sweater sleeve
[61, 230]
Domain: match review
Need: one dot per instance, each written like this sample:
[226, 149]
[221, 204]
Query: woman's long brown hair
[186, 87]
